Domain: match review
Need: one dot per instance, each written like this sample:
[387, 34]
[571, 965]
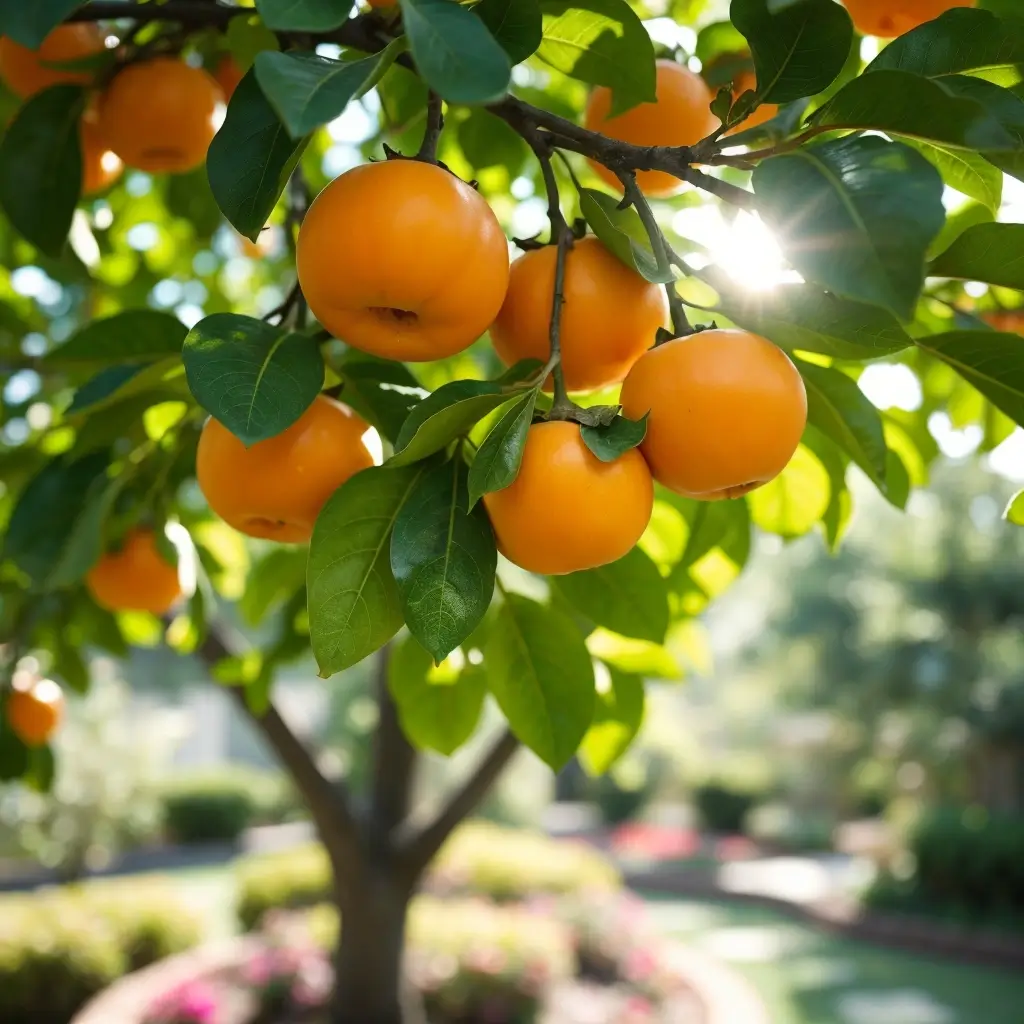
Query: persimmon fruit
[228, 74]
[403, 260]
[275, 489]
[160, 115]
[101, 166]
[34, 709]
[679, 116]
[610, 317]
[25, 70]
[888, 18]
[746, 82]
[136, 577]
[567, 510]
[1010, 321]
[727, 409]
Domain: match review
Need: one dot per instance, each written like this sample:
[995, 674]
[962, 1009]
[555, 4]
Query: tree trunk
[369, 984]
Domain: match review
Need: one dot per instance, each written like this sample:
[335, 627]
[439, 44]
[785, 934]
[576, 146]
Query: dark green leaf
[487, 141]
[992, 361]
[134, 336]
[41, 167]
[1015, 509]
[798, 51]
[247, 37]
[30, 23]
[965, 171]
[782, 126]
[836, 518]
[163, 380]
[993, 253]
[354, 606]
[622, 233]
[255, 378]
[855, 215]
[609, 442]
[540, 673]
[600, 42]
[438, 708]
[271, 582]
[307, 91]
[251, 159]
[443, 558]
[446, 414]
[497, 460]
[516, 24]
[303, 15]
[956, 224]
[841, 411]
[628, 596]
[106, 383]
[41, 769]
[455, 52]
[618, 715]
[83, 544]
[381, 391]
[14, 755]
[1005, 107]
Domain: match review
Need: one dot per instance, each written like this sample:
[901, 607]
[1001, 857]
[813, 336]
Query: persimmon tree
[109, 396]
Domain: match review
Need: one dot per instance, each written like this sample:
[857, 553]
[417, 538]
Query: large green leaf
[250, 159]
[499, 456]
[255, 378]
[162, 381]
[841, 411]
[30, 23]
[600, 42]
[795, 500]
[354, 606]
[438, 707]
[798, 51]
[1004, 106]
[134, 336]
[443, 558]
[14, 755]
[628, 596]
[41, 167]
[855, 215]
[993, 253]
[992, 361]
[622, 233]
[965, 171]
[618, 715]
[516, 24]
[381, 391]
[455, 52]
[303, 15]
[271, 581]
[540, 673]
[83, 544]
[906, 104]
[307, 91]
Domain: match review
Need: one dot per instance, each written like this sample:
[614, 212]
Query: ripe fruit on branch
[101, 166]
[567, 510]
[727, 411]
[34, 709]
[888, 18]
[680, 116]
[276, 488]
[136, 578]
[228, 74]
[403, 260]
[26, 73]
[610, 317]
[161, 115]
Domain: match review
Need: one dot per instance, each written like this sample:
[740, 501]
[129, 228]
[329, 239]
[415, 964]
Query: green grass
[806, 976]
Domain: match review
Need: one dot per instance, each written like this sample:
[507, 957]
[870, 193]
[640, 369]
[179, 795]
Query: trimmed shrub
[722, 808]
[278, 881]
[208, 811]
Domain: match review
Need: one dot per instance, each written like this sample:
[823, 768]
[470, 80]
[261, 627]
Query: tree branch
[419, 849]
[185, 12]
[435, 123]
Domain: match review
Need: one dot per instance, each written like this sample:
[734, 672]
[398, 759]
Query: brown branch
[419, 849]
[432, 133]
[185, 12]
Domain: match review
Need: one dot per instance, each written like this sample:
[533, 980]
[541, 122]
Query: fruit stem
[435, 123]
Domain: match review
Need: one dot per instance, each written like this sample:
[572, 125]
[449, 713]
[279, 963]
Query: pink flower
[191, 1002]
[640, 964]
[638, 1011]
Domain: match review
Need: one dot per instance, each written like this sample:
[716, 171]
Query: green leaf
[443, 558]
[41, 769]
[967, 172]
[795, 500]
[307, 91]
[438, 707]
[1003, 106]
[163, 380]
[540, 673]
[906, 104]
[992, 361]
[14, 755]
[83, 544]
[247, 37]
[798, 51]
[856, 216]
[618, 715]
[381, 391]
[487, 141]
[134, 336]
[1015, 509]
[41, 167]
[30, 23]
[623, 234]
[615, 439]
[250, 159]
[454, 51]
[600, 42]
[354, 606]
[498, 458]
[956, 224]
[628, 596]
[446, 414]
[841, 411]
[106, 383]
[272, 581]
[640, 657]
[303, 15]
[959, 42]
[516, 24]
[993, 253]
[836, 517]
[254, 378]
[782, 126]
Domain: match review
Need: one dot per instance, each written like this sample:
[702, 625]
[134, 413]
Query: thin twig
[435, 123]
[291, 302]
